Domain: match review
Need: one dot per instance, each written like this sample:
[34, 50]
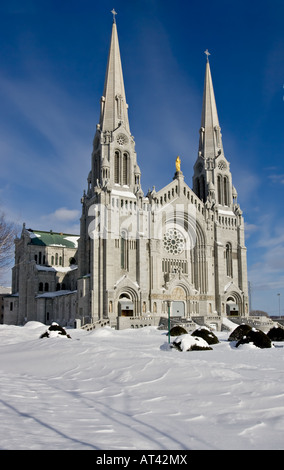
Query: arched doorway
[125, 306]
[178, 309]
[232, 308]
[178, 302]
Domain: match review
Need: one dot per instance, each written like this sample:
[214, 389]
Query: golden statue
[178, 164]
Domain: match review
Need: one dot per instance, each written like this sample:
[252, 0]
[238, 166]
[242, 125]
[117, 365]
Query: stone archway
[232, 306]
[125, 305]
[127, 302]
[178, 293]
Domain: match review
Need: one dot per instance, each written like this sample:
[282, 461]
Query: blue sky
[52, 65]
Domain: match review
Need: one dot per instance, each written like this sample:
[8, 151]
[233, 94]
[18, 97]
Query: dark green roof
[40, 238]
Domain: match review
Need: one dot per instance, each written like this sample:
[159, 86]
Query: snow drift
[126, 390]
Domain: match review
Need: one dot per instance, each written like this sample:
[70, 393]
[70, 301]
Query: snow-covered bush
[276, 334]
[177, 331]
[206, 334]
[190, 343]
[257, 337]
[239, 332]
[54, 331]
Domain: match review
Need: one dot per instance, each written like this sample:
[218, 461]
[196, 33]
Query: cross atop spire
[114, 13]
[207, 53]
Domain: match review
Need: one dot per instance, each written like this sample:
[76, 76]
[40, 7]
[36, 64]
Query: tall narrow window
[228, 256]
[125, 169]
[124, 246]
[226, 191]
[116, 167]
[219, 189]
[202, 188]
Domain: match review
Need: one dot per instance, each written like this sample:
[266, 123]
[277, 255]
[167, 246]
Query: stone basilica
[138, 257]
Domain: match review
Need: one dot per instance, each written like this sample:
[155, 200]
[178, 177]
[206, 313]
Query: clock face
[121, 139]
[174, 242]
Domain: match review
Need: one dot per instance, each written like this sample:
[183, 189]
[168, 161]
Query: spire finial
[114, 13]
[208, 54]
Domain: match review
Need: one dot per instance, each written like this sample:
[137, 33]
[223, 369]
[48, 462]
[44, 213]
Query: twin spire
[210, 144]
[114, 110]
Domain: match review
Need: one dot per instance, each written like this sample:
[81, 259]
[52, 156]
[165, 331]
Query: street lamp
[169, 321]
[279, 305]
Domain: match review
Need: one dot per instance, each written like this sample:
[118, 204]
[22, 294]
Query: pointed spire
[113, 103]
[210, 143]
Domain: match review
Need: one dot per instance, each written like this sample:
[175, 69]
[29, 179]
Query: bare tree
[8, 232]
[258, 313]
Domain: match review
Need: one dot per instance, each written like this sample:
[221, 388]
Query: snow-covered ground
[117, 390]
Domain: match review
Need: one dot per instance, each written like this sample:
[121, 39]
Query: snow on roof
[51, 238]
[55, 294]
[58, 269]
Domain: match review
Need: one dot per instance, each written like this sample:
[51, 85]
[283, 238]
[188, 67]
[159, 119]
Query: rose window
[222, 165]
[121, 139]
[174, 241]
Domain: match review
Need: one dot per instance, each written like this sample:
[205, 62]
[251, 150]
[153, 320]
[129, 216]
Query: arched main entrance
[178, 309]
[178, 302]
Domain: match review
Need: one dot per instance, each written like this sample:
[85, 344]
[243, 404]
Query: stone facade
[141, 255]
[183, 246]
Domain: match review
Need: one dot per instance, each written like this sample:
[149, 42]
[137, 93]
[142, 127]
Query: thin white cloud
[44, 136]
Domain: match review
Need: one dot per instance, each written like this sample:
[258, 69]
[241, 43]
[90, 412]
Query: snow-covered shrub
[257, 337]
[206, 334]
[54, 331]
[239, 332]
[190, 343]
[177, 331]
[276, 334]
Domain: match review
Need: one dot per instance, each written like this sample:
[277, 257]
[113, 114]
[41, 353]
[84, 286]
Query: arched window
[219, 189]
[40, 287]
[125, 169]
[226, 191]
[56, 259]
[223, 190]
[228, 256]
[124, 251]
[202, 188]
[116, 167]
[46, 287]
